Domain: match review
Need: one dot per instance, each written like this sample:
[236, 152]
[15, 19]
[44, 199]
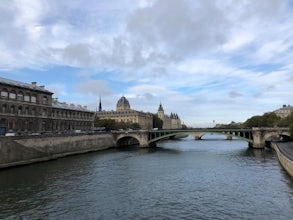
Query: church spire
[160, 107]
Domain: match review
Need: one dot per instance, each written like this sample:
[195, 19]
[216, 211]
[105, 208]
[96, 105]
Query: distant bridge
[256, 137]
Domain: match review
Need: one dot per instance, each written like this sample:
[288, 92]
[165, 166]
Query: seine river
[184, 179]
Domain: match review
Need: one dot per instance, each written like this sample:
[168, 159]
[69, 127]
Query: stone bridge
[256, 137]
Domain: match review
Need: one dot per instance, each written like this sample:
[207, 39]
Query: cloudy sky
[206, 60]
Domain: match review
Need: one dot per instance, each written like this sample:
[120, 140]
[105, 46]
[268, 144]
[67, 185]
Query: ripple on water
[177, 180]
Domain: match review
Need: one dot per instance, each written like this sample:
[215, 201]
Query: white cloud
[93, 88]
[200, 55]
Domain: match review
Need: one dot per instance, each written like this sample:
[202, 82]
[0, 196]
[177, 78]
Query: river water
[184, 179]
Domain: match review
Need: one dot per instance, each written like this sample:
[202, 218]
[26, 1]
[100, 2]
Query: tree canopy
[111, 124]
[157, 122]
[266, 120]
[270, 120]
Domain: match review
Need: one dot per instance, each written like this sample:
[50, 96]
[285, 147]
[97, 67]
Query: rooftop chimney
[34, 84]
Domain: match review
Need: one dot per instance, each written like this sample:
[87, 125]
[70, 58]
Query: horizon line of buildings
[124, 113]
[29, 108]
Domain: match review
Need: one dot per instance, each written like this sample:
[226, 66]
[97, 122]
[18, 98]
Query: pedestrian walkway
[284, 151]
[286, 148]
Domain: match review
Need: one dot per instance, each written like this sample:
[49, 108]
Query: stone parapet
[19, 151]
[284, 158]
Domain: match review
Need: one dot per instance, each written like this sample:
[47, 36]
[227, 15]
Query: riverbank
[284, 152]
[16, 151]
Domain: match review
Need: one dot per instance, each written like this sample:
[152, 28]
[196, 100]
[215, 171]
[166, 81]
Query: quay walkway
[284, 152]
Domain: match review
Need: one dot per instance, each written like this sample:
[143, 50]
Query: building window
[19, 110]
[20, 96]
[34, 99]
[45, 100]
[12, 109]
[4, 94]
[27, 98]
[4, 108]
[12, 95]
[44, 112]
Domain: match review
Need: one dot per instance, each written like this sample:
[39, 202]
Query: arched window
[4, 93]
[34, 112]
[20, 96]
[12, 95]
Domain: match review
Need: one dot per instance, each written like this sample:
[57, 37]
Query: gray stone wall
[284, 159]
[18, 151]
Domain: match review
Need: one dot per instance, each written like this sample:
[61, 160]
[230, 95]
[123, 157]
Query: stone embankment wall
[24, 150]
[284, 153]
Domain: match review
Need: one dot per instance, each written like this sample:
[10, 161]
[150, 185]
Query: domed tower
[122, 104]
[161, 112]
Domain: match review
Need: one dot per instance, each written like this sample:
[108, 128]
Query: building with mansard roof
[124, 113]
[28, 108]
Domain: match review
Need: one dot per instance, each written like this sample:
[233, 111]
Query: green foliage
[157, 122]
[184, 126]
[111, 124]
[286, 122]
[267, 120]
[270, 120]
[232, 125]
[135, 126]
[254, 121]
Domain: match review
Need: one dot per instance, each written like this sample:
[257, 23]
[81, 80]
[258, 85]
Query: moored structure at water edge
[28, 108]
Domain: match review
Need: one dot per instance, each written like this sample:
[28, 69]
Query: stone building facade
[124, 113]
[285, 111]
[169, 122]
[29, 108]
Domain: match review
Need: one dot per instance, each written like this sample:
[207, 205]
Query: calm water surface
[185, 179]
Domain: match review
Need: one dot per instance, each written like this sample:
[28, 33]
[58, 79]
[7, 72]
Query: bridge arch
[274, 136]
[127, 141]
[263, 135]
[199, 136]
[243, 134]
[131, 138]
[256, 137]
